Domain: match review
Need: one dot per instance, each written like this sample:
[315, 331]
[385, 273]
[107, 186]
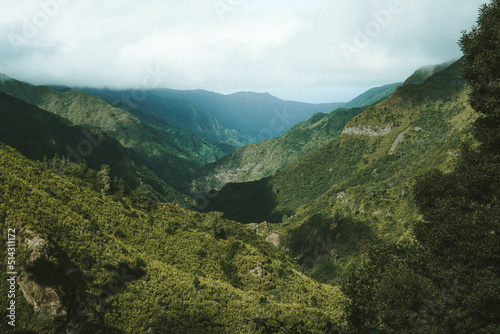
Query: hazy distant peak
[250, 93]
[5, 78]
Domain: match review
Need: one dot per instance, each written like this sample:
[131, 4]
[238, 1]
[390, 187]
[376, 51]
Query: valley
[189, 211]
[328, 189]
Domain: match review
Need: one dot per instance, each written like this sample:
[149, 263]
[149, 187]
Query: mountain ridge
[255, 161]
[258, 160]
[171, 161]
[237, 119]
[39, 134]
[372, 96]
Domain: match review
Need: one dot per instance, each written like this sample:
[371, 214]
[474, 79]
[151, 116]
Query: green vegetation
[432, 114]
[355, 191]
[447, 279]
[183, 271]
[37, 134]
[256, 161]
[372, 96]
[207, 150]
[235, 119]
[157, 145]
[423, 73]
[173, 107]
[382, 219]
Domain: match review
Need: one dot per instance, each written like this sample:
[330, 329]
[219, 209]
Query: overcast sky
[309, 50]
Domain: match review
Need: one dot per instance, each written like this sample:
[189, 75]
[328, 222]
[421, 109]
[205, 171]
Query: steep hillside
[171, 161]
[372, 96]
[355, 191]
[255, 161]
[208, 151]
[92, 263]
[173, 109]
[37, 133]
[236, 119]
[423, 73]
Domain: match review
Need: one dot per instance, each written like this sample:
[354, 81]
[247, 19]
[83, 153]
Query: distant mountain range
[236, 119]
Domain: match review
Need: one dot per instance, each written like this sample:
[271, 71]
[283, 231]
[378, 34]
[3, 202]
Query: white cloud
[287, 47]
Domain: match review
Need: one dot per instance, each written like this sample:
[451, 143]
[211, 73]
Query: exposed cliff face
[367, 130]
[44, 300]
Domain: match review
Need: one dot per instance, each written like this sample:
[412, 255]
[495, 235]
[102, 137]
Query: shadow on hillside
[247, 202]
[324, 246]
[83, 309]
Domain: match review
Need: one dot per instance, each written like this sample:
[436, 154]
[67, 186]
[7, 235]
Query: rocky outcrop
[274, 239]
[263, 230]
[44, 300]
[367, 130]
[397, 141]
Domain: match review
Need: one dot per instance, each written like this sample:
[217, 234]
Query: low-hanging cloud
[229, 45]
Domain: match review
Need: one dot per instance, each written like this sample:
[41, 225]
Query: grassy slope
[423, 73]
[88, 233]
[373, 96]
[438, 108]
[209, 151]
[355, 179]
[255, 161]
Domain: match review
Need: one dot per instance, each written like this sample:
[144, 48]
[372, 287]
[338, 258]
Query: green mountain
[157, 144]
[372, 96]
[255, 161]
[173, 109]
[236, 119]
[92, 263]
[37, 133]
[423, 73]
[354, 192]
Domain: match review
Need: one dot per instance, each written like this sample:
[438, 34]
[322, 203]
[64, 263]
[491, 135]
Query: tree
[104, 178]
[481, 69]
[214, 221]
